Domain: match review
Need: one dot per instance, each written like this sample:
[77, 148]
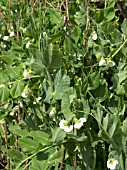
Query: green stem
[119, 48]
[31, 156]
[94, 151]
[122, 161]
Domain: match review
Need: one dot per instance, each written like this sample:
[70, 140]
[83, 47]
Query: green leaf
[7, 58]
[57, 135]
[4, 93]
[122, 74]
[55, 16]
[93, 80]
[56, 59]
[68, 46]
[111, 3]
[15, 155]
[110, 14]
[47, 55]
[116, 36]
[41, 137]
[3, 77]
[98, 114]
[55, 37]
[27, 144]
[80, 18]
[120, 90]
[76, 34]
[124, 27]
[17, 88]
[124, 127]
[99, 16]
[38, 164]
[101, 93]
[55, 157]
[61, 85]
[38, 64]
[16, 129]
[66, 102]
[14, 72]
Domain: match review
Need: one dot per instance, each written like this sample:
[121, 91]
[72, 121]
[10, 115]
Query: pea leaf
[17, 88]
[4, 93]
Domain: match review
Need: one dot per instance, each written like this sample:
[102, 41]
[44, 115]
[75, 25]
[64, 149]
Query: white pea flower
[21, 105]
[12, 34]
[102, 62]
[27, 74]
[28, 44]
[111, 163]
[5, 38]
[79, 123]
[94, 36]
[3, 45]
[12, 113]
[2, 85]
[64, 125]
[52, 112]
[110, 63]
[38, 99]
[25, 92]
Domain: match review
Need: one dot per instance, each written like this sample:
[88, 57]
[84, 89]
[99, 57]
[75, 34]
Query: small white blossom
[5, 38]
[12, 113]
[12, 34]
[21, 105]
[2, 85]
[64, 125]
[25, 92]
[52, 112]
[111, 164]
[79, 123]
[27, 74]
[102, 62]
[39, 98]
[110, 63]
[94, 36]
[3, 45]
[6, 105]
[28, 44]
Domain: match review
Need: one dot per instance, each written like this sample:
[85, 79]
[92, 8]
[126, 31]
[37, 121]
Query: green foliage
[63, 84]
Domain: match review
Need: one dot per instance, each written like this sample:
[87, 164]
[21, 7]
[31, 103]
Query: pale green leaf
[17, 88]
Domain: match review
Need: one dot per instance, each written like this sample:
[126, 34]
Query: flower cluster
[68, 128]
[108, 63]
[65, 126]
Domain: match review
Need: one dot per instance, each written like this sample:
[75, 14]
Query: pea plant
[63, 85]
